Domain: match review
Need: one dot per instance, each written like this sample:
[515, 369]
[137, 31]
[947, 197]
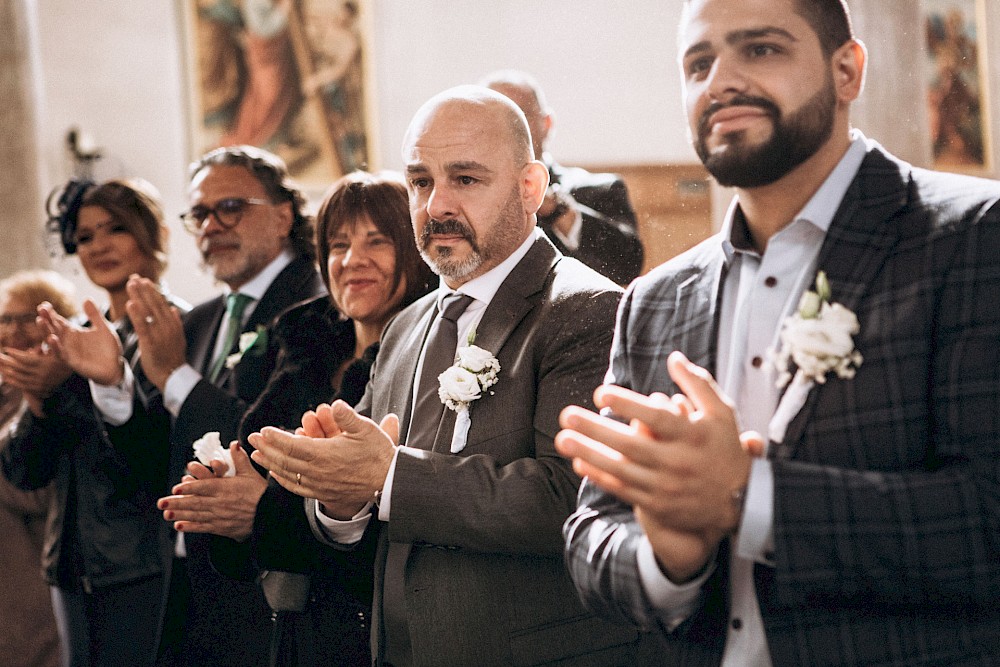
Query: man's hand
[207, 502]
[680, 462]
[162, 346]
[343, 471]
[95, 352]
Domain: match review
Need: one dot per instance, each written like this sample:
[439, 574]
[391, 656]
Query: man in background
[587, 216]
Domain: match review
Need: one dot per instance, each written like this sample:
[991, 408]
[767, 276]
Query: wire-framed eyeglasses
[228, 213]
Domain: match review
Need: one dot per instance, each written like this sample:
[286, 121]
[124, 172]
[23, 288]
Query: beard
[794, 139]
[498, 242]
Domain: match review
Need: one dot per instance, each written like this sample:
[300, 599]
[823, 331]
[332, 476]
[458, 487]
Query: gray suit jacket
[485, 582]
[886, 518]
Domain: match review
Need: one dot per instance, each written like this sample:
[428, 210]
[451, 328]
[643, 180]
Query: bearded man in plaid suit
[852, 515]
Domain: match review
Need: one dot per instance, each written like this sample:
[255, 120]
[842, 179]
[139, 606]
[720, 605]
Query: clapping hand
[337, 456]
[679, 461]
[206, 501]
[94, 352]
[162, 345]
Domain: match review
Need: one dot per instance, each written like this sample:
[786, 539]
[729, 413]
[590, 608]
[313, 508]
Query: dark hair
[829, 19]
[133, 202]
[381, 198]
[271, 172]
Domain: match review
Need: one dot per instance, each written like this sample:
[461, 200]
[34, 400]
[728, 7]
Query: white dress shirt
[759, 292]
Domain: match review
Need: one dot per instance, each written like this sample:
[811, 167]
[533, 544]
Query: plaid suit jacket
[887, 497]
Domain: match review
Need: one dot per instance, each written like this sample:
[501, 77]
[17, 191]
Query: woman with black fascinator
[106, 545]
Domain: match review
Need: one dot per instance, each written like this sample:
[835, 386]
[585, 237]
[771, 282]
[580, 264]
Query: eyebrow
[452, 167]
[739, 36]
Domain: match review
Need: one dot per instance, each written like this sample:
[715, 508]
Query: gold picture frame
[957, 92]
[290, 76]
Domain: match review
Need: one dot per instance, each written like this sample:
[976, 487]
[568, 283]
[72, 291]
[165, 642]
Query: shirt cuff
[114, 402]
[385, 498]
[674, 603]
[755, 540]
[178, 386]
[345, 532]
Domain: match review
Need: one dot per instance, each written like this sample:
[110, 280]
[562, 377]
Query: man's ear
[848, 64]
[285, 218]
[534, 181]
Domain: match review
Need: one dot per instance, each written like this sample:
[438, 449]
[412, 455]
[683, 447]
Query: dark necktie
[236, 304]
[439, 355]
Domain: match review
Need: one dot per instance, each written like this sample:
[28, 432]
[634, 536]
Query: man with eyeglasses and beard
[799, 461]
[247, 217]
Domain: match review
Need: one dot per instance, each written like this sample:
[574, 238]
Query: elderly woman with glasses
[28, 635]
[105, 545]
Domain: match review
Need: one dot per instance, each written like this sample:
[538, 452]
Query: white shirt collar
[259, 283]
[484, 287]
[820, 208]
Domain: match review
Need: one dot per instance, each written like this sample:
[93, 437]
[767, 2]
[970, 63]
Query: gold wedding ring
[298, 478]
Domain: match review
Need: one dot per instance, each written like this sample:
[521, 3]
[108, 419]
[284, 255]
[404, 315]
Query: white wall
[116, 68]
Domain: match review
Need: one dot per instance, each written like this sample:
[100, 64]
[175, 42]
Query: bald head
[526, 93]
[472, 109]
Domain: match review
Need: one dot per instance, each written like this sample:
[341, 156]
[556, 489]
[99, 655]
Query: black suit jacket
[605, 193]
[608, 246]
[886, 518]
[230, 620]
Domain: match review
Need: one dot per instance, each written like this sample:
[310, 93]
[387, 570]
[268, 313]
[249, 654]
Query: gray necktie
[439, 355]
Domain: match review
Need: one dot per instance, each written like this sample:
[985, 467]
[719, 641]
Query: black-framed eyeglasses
[227, 212]
[17, 319]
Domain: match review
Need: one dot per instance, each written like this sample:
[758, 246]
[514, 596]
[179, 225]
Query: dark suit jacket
[605, 193]
[230, 620]
[886, 518]
[485, 583]
[607, 246]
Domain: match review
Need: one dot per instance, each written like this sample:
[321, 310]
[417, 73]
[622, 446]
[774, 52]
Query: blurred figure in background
[587, 216]
[28, 636]
[105, 547]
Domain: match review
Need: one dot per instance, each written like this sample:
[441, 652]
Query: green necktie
[236, 303]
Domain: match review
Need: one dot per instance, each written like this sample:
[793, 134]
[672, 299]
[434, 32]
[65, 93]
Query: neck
[366, 334]
[118, 299]
[770, 208]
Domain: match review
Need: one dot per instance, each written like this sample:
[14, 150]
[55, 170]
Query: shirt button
[757, 362]
[736, 623]
[770, 281]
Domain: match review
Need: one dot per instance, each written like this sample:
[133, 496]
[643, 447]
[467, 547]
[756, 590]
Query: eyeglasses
[227, 212]
[17, 320]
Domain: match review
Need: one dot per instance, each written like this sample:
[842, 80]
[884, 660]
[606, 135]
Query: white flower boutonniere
[209, 447]
[248, 341]
[818, 339]
[474, 372]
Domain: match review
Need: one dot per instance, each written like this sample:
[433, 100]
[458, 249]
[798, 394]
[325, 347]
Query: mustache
[447, 227]
[739, 101]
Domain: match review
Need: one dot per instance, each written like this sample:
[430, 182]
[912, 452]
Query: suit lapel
[201, 354]
[405, 370]
[855, 248]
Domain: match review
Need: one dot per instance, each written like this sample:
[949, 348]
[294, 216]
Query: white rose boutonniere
[250, 340]
[818, 339]
[474, 372]
[209, 447]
